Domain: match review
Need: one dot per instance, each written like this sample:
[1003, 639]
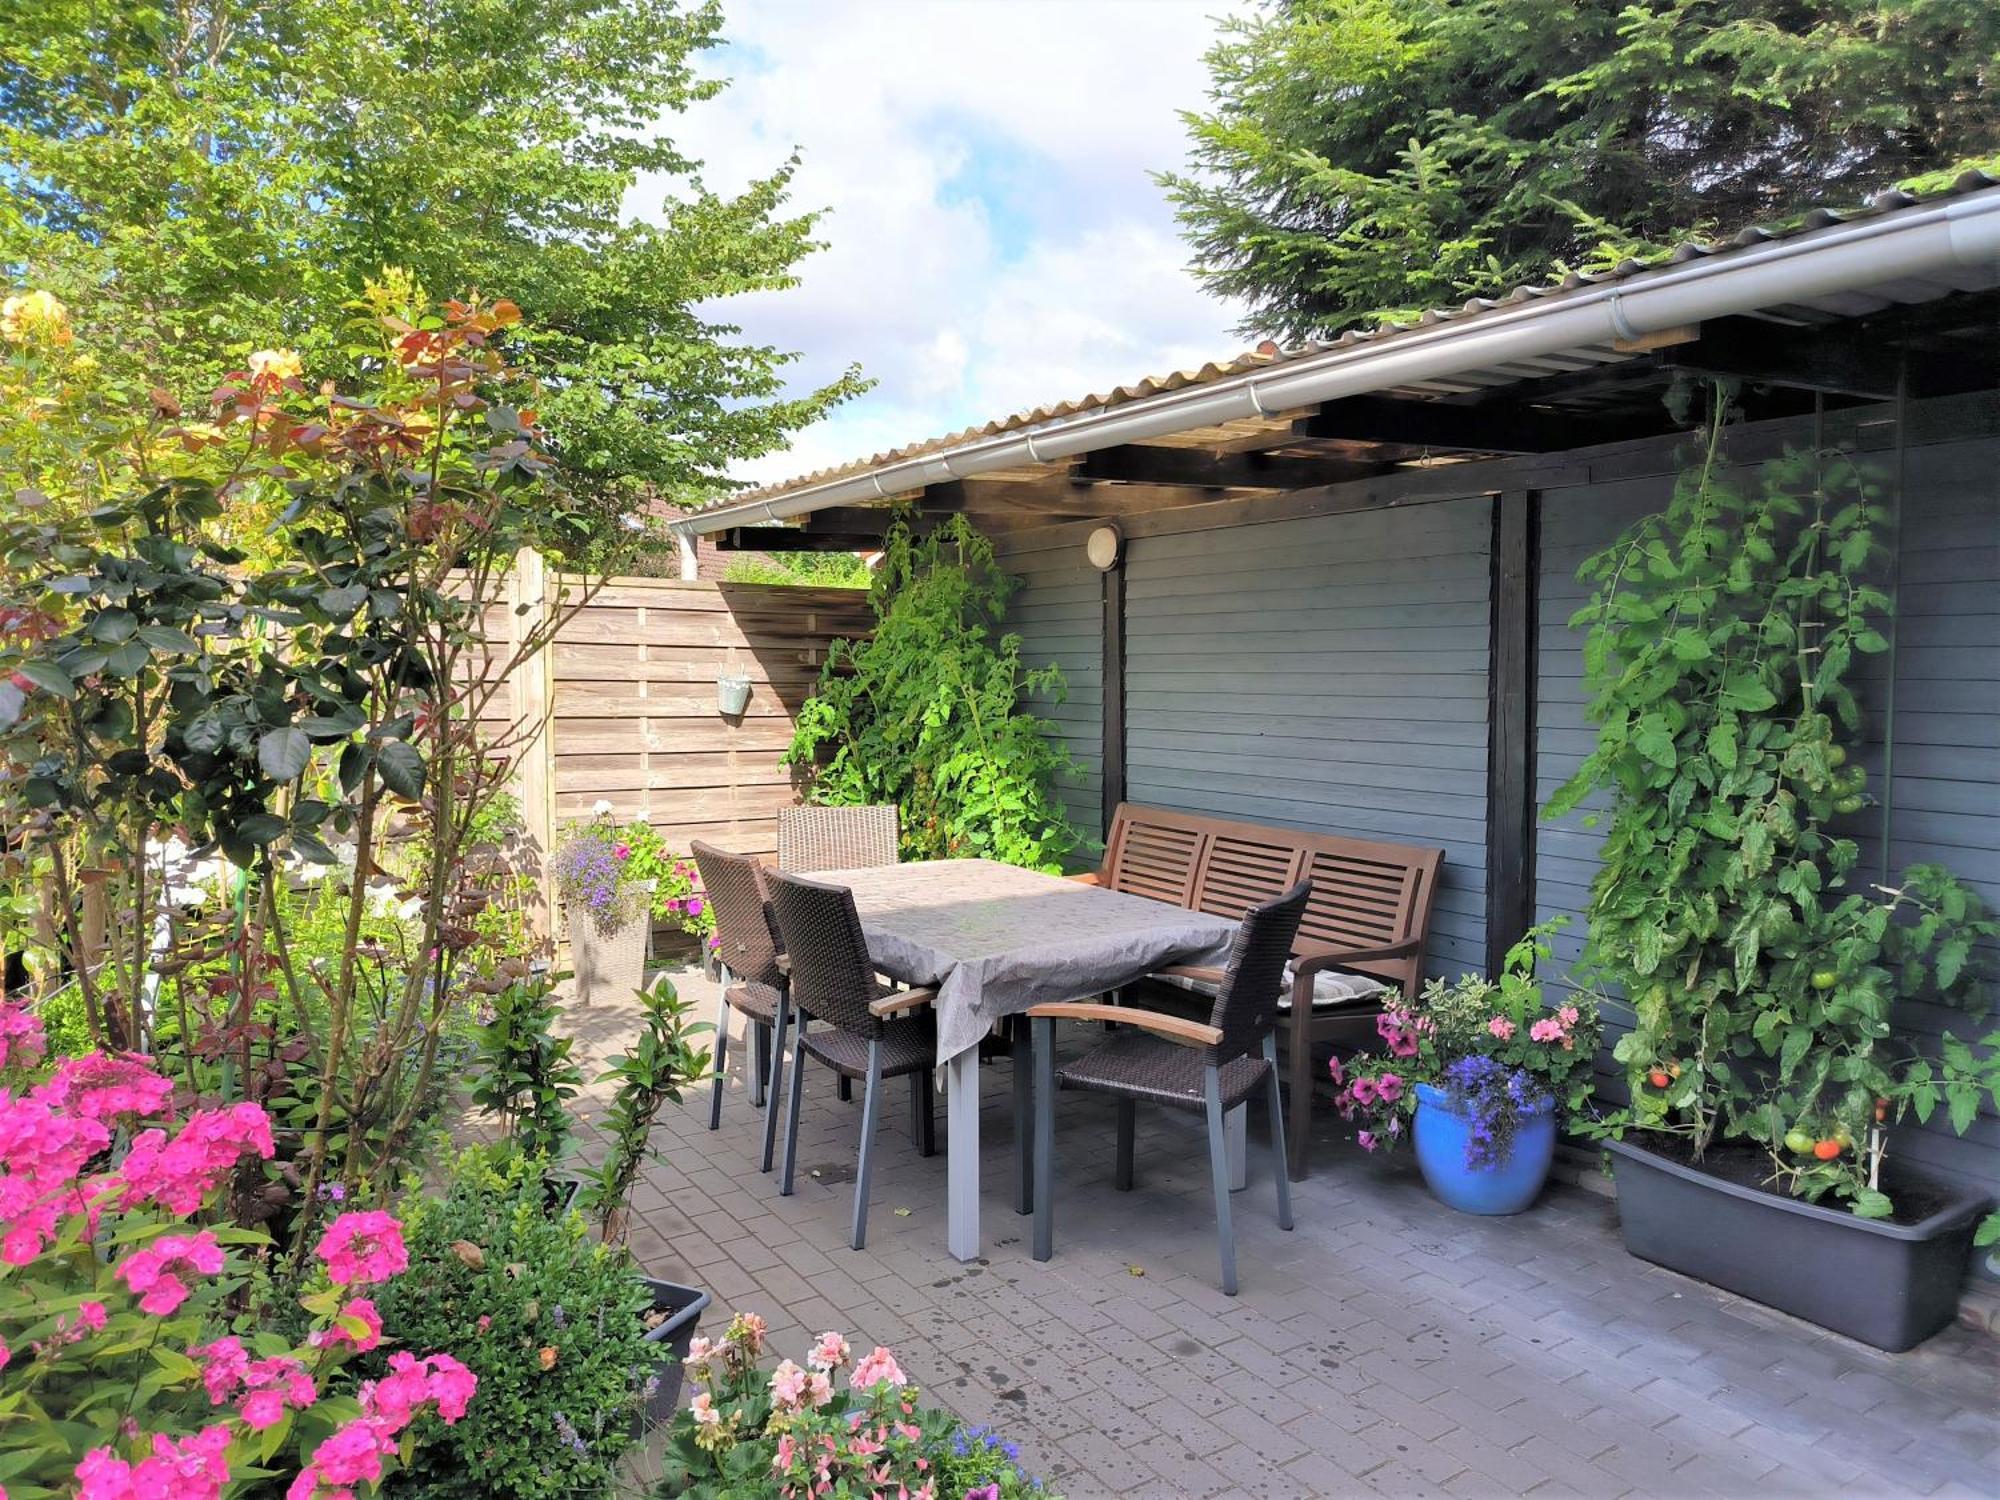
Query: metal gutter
[1913, 244]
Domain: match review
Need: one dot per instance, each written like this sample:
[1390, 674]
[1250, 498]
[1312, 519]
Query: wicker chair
[753, 981]
[1170, 1060]
[836, 838]
[871, 1035]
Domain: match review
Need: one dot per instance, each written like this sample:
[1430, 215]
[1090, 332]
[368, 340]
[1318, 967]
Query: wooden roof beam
[1062, 498]
[1496, 428]
[1849, 359]
[794, 539]
[1134, 463]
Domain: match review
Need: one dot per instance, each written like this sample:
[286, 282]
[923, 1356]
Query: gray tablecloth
[995, 939]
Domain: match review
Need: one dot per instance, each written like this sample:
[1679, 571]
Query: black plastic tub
[684, 1306]
[1890, 1285]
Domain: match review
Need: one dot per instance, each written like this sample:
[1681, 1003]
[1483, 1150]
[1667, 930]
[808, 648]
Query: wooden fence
[630, 689]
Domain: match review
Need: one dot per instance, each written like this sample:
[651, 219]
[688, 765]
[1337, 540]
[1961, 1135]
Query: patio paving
[1386, 1346]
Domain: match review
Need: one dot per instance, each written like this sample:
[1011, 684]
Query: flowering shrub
[804, 1430]
[124, 1368]
[591, 869]
[551, 1323]
[1517, 1053]
[678, 899]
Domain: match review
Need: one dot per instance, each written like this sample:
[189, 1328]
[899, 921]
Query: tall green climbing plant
[1723, 635]
[928, 713]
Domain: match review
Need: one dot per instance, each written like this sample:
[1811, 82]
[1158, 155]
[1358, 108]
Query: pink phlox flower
[1548, 1029]
[22, 1042]
[190, 1469]
[43, 1148]
[179, 1174]
[275, 1384]
[878, 1366]
[225, 1365]
[1501, 1027]
[357, 1310]
[411, 1382]
[363, 1247]
[104, 1086]
[352, 1455]
[154, 1273]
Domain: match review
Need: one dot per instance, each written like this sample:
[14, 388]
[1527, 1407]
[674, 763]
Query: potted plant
[679, 905]
[604, 908]
[1481, 1072]
[662, 1063]
[523, 1073]
[1765, 1070]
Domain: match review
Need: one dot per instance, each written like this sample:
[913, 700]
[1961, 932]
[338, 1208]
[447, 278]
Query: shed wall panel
[1058, 609]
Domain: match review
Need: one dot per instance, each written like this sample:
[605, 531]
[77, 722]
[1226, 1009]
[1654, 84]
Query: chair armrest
[902, 1000]
[1304, 967]
[1174, 1028]
[1087, 877]
[1203, 972]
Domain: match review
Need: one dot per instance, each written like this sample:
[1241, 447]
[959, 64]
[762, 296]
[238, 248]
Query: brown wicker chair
[1182, 1064]
[870, 1035]
[836, 838]
[753, 980]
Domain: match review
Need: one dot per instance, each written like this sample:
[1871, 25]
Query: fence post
[534, 707]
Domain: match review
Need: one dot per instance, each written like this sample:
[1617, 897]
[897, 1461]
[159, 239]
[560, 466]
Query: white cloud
[994, 239]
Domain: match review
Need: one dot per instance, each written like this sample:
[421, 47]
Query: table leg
[962, 1155]
[1236, 1130]
[1024, 1115]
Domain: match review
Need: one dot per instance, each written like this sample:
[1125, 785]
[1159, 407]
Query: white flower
[601, 808]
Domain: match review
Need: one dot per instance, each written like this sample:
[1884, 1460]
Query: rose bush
[140, 1357]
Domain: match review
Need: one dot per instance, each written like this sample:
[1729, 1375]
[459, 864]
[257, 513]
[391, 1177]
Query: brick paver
[1387, 1346]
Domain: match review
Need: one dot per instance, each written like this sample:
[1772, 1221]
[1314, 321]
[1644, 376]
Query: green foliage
[649, 1077]
[1365, 159]
[927, 713]
[549, 1321]
[1722, 636]
[189, 172]
[523, 1072]
[822, 570]
[677, 896]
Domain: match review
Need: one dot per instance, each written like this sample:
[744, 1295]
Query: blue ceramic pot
[1506, 1188]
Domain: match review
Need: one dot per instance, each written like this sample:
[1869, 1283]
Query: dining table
[993, 939]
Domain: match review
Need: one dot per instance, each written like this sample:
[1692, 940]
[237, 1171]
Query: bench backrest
[1365, 895]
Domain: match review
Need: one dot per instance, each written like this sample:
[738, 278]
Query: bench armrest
[1347, 957]
[1087, 877]
[1202, 972]
[902, 1000]
[1174, 1028]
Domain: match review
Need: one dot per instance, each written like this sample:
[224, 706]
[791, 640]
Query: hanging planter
[732, 694]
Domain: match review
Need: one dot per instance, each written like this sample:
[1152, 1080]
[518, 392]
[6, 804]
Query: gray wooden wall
[1058, 611]
[1330, 672]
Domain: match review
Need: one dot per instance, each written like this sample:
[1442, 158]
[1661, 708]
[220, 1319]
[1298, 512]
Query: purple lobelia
[1494, 1099]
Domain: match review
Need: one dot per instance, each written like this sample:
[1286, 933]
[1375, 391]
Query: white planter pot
[611, 967]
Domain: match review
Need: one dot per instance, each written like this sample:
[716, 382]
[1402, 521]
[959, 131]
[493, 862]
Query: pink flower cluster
[875, 1367]
[360, 1310]
[353, 1454]
[363, 1247]
[155, 1273]
[104, 1086]
[270, 1386]
[793, 1387]
[21, 1040]
[178, 1174]
[191, 1469]
[1556, 1028]
[1402, 1031]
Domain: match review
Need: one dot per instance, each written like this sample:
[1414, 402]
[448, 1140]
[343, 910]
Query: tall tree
[183, 170]
[1367, 158]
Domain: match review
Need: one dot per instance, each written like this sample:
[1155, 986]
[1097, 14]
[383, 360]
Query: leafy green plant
[523, 1070]
[1722, 635]
[822, 570]
[550, 1322]
[927, 712]
[650, 1076]
[678, 899]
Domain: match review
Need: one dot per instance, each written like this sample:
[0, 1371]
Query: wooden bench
[1369, 914]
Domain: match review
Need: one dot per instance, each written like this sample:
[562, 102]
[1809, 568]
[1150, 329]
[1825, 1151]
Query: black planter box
[685, 1305]
[1890, 1285]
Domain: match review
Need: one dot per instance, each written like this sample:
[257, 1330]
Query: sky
[994, 240]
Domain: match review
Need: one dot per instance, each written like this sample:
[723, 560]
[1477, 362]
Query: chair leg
[1277, 1109]
[846, 1089]
[773, 1089]
[1218, 1166]
[923, 1112]
[1045, 1132]
[792, 1109]
[1128, 1130]
[871, 1103]
[760, 1062]
[1299, 1125]
[1020, 1038]
[721, 1062]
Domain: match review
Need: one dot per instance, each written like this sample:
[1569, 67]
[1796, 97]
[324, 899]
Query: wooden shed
[1345, 570]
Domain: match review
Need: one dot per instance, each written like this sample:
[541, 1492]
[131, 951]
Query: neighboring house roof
[1827, 266]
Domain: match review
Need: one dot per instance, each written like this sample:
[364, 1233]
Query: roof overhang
[1804, 283]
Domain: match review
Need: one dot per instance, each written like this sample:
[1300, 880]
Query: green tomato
[1836, 755]
[1799, 1142]
[1824, 980]
[1848, 804]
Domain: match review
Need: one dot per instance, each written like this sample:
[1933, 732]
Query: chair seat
[908, 1046]
[757, 1001]
[1142, 1066]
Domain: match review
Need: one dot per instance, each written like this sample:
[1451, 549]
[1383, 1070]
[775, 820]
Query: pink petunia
[1389, 1088]
[1362, 1091]
[1339, 1073]
[363, 1247]
[1366, 1138]
[1501, 1027]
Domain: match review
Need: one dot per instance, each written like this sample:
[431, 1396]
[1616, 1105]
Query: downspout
[1904, 245]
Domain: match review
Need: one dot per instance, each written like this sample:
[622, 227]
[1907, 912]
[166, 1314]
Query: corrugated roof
[1269, 354]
